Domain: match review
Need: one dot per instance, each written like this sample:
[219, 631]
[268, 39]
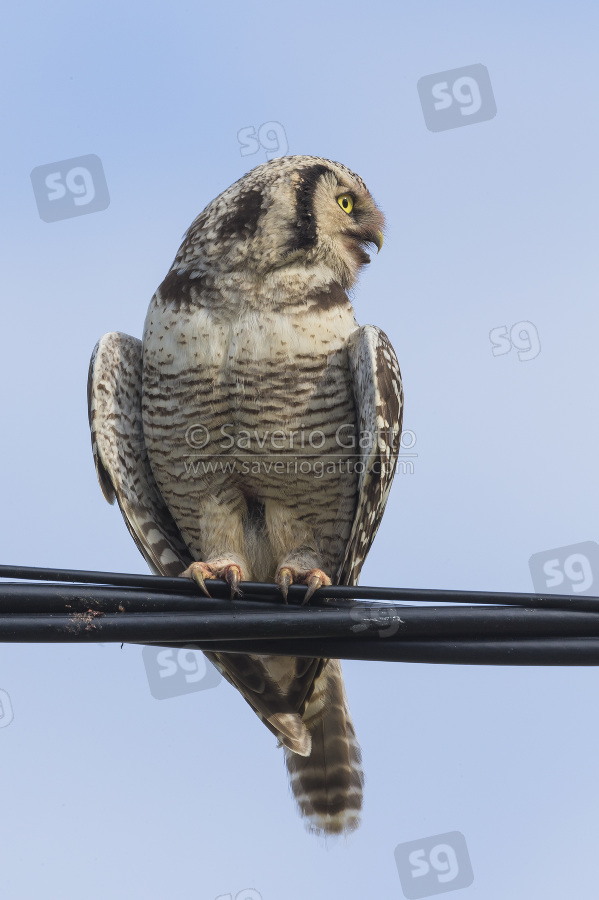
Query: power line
[472, 627]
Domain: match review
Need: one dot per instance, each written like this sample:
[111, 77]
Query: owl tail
[327, 784]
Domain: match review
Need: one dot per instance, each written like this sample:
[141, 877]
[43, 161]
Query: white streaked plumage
[252, 332]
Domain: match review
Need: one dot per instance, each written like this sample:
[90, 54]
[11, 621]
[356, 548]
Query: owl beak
[376, 238]
[362, 238]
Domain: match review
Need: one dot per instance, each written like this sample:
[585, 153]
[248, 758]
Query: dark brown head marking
[305, 220]
[179, 288]
[242, 221]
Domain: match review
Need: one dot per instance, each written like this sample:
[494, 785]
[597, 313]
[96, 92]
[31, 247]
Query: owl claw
[284, 578]
[201, 571]
[198, 571]
[314, 578]
[233, 575]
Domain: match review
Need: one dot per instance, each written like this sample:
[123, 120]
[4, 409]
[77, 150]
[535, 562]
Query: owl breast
[262, 403]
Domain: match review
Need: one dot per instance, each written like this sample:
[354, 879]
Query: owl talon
[201, 571]
[198, 571]
[233, 575]
[284, 578]
[199, 580]
[315, 579]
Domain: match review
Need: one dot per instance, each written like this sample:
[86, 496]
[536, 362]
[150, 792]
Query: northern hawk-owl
[252, 434]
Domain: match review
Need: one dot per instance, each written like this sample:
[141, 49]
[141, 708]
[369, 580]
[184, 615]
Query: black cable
[223, 625]
[485, 628]
[543, 652]
[39, 608]
[266, 592]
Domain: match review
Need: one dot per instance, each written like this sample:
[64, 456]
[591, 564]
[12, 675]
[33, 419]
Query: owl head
[296, 214]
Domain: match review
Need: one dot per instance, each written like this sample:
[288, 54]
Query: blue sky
[110, 792]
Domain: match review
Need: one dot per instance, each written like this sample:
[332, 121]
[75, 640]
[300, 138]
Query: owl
[252, 435]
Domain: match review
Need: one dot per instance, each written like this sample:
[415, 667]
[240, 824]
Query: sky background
[110, 792]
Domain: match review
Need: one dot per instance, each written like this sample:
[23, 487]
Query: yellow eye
[346, 202]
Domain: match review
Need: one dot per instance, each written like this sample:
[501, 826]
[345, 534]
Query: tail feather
[327, 784]
[291, 731]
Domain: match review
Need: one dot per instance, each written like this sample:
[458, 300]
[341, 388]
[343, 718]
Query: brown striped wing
[378, 393]
[120, 456]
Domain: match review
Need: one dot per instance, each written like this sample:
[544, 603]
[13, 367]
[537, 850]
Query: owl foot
[229, 571]
[314, 578]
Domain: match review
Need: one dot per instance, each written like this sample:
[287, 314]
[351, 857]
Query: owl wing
[124, 472]
[120, 456]
[378, 395]
[327, 785]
